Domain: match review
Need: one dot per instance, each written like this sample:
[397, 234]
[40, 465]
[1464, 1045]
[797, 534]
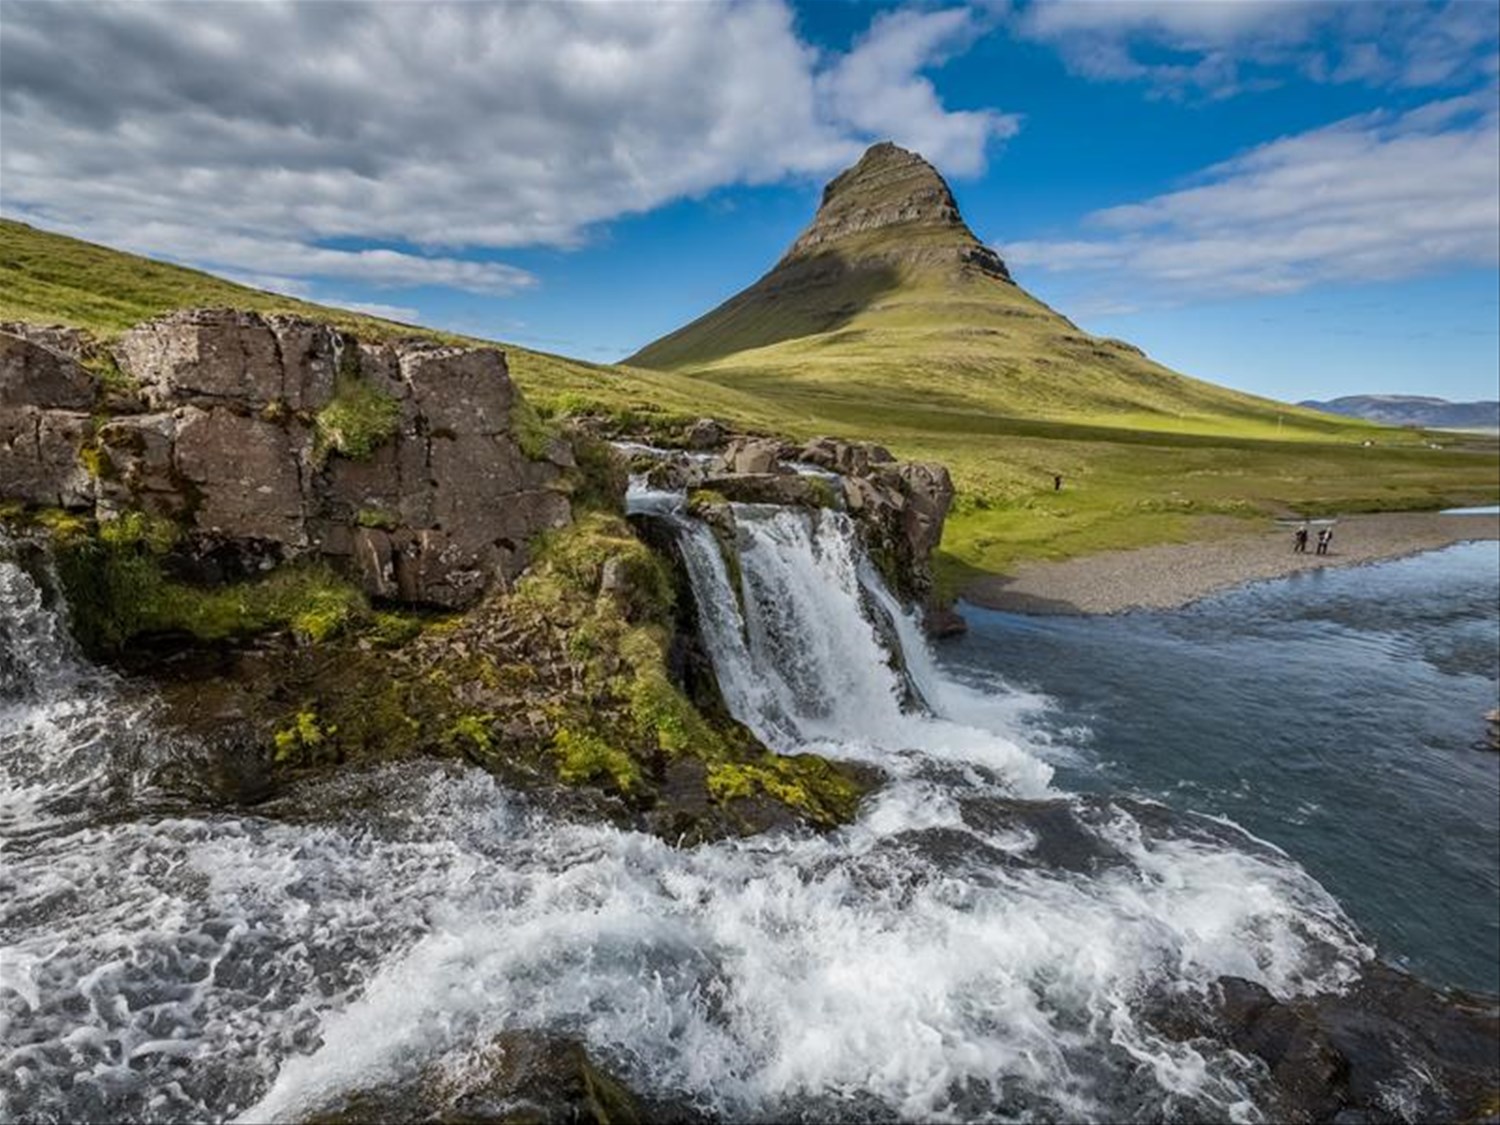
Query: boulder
[32, 375]
[749, 455]
[459, 391]
[705, 433]
[435, 501]
[73, 343]
[844, 456]
[39, 457]
[775, 488]
[674, 473]
[518, 1076]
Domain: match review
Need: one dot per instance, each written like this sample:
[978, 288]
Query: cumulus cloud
[1225, 46]
[280, 139]
[1375, 197]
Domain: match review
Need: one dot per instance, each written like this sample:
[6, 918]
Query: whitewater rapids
[931, 961]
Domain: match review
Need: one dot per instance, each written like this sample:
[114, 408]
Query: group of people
[1299, 540]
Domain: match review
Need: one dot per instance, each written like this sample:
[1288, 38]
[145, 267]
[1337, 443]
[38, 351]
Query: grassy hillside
[1145, 474]
[52, 279]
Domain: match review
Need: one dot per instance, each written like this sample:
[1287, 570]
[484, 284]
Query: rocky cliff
[893, 206]
[414, 467]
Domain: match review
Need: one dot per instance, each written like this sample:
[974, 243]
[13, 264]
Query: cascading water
[975, 946]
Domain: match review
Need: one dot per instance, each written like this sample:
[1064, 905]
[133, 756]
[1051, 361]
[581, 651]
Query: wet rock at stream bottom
[518, 1078]
[1388, 1049]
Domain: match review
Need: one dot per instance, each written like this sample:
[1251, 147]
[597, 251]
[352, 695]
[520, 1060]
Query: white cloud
[1219, 47]
[271, 139]
[1375, 197]
[878, 87]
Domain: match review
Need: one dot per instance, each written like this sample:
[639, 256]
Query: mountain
[1414, 410]
[890, 290]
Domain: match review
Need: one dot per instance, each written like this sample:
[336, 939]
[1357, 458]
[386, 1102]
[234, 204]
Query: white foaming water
[936, 959]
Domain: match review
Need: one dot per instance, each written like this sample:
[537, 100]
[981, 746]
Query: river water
[988, 941]
[1335, 713]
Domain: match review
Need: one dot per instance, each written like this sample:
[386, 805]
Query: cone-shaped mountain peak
[891, 205]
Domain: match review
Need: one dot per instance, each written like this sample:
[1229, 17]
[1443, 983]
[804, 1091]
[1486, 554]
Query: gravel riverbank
[1175, 574]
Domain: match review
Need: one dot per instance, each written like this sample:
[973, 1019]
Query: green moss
[390, 629]
[303, 740]
[804, 782]
[471, 732]
[101, 364]
[583, 756]
[65, 528]
[117, 588]
[379, 518]
[706, 498]
[357, 421]
[138, 529]
[94, 461]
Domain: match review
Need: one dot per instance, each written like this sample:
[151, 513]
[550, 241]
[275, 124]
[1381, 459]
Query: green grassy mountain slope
[889, 293]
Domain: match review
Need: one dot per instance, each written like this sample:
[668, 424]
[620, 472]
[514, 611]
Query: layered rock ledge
[415, 467]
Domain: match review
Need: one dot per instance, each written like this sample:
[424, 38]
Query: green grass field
[990, 382]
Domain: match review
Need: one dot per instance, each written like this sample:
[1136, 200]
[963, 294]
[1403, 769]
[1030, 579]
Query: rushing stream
[980, 943]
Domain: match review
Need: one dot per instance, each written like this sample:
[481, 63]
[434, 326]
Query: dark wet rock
[1062, 838]
[844, 456]
[705, 433]
[941, 622]
[674, 473]
[518, 1077]
[774, 488]
[1387, 1049]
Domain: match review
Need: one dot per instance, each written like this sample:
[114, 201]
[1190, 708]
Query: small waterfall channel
[977, 945]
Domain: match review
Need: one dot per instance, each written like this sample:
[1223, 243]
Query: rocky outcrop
[893, 191]
[285, 438]
[899, 505]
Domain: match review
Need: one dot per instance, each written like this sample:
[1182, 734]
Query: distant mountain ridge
[1413, 410]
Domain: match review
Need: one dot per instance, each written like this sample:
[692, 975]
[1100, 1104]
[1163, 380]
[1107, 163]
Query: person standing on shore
[1299, 541]
[1325, 537]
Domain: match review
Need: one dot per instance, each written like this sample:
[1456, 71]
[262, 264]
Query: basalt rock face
[272, 438]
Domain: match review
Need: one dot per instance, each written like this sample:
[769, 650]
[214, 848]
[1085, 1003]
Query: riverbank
[1172, 575]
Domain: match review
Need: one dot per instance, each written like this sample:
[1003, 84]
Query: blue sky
[1299, 199]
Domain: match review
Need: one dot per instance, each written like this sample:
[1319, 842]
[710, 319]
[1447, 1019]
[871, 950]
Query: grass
[968, 371]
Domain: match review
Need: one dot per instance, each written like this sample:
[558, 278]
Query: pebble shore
[1172, 575]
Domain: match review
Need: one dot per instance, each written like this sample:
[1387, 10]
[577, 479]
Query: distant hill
[889, 293]
[1414, 410]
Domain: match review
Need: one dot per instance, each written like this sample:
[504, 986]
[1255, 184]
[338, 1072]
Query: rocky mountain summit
[891, 206]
